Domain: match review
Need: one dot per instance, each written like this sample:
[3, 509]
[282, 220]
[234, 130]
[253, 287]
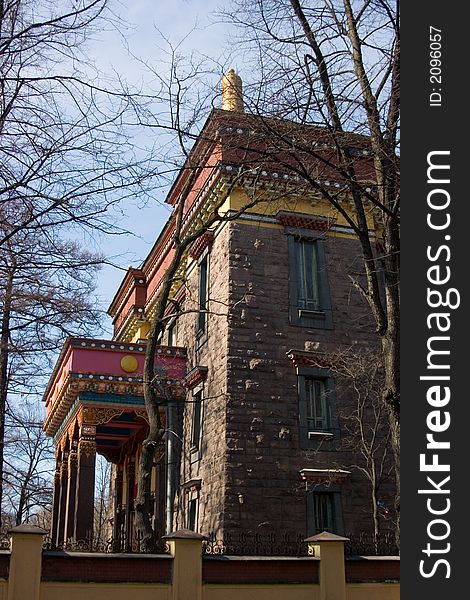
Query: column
[71, 492]
[130, 483]
[85, 490]
[185, 547]
[24, 581]
[117, 525]
[55, 503]
[64, 467]
[329, 548]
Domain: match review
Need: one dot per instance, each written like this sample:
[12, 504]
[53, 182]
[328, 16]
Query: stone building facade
[262, 307]
[256, 465]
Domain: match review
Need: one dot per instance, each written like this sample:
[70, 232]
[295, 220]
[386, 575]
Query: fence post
[186, 549]
[24, 580]
[329, 548]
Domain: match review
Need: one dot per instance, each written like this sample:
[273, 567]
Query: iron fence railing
[293, 544]
[4, 541]
[257, 544]
[385, 544]
[277, 543]
[122, 544]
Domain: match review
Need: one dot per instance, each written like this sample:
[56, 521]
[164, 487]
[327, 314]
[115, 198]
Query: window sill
[311, 314]
[194, 454]
[320, 434]
[319, 319]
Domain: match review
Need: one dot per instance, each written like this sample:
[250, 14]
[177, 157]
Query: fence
[251, 543]
[29, 572]
[289, 543]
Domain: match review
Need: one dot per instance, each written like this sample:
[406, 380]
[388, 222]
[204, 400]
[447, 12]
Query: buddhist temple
[260, 304]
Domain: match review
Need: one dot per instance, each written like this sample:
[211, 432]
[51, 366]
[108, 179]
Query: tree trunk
[4, 355]
[153, 402]
[390, 347]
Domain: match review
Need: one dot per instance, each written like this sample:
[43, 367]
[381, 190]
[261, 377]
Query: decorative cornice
[129, 324]
[288, 179]
[324, 476]
[121, 386]
[304, 358]
[192, 485]
[97, 400]
[133, 279]
[97, 415]
[195, 377]
[107, 345]
[66, 384]
[209, 197]
[86, 448]
[203, 242]
[301, 221]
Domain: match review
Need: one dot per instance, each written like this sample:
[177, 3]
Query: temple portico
[94, 404]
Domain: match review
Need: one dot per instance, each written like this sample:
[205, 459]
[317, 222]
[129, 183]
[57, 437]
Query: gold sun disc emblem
[129, 363]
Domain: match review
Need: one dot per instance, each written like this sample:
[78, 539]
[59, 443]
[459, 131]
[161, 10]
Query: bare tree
[156, 395]
[27, 461]
[67, 157]
[101, 528]
[313, 154]
[324, 104]
[47, 293]
[359, 372]
[67, 153]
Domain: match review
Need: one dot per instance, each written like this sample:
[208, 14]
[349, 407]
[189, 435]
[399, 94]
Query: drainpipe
[170, 466]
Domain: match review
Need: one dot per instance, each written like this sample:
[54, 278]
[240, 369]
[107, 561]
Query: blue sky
[147, 21]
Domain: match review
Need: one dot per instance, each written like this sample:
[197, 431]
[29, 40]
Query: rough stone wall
[251, 454]
[263, 487]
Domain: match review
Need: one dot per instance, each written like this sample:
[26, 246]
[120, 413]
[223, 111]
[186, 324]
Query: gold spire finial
[232, 92]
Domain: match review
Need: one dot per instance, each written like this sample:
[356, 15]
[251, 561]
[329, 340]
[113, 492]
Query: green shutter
[309, 296]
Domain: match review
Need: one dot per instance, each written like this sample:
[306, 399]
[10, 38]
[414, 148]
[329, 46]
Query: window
[309, 297]
[196, 424]
[172, 333]
[192, 514]
[318, 410]
[307, 275]
[324, 512]
[317, 407]
[203, 296]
